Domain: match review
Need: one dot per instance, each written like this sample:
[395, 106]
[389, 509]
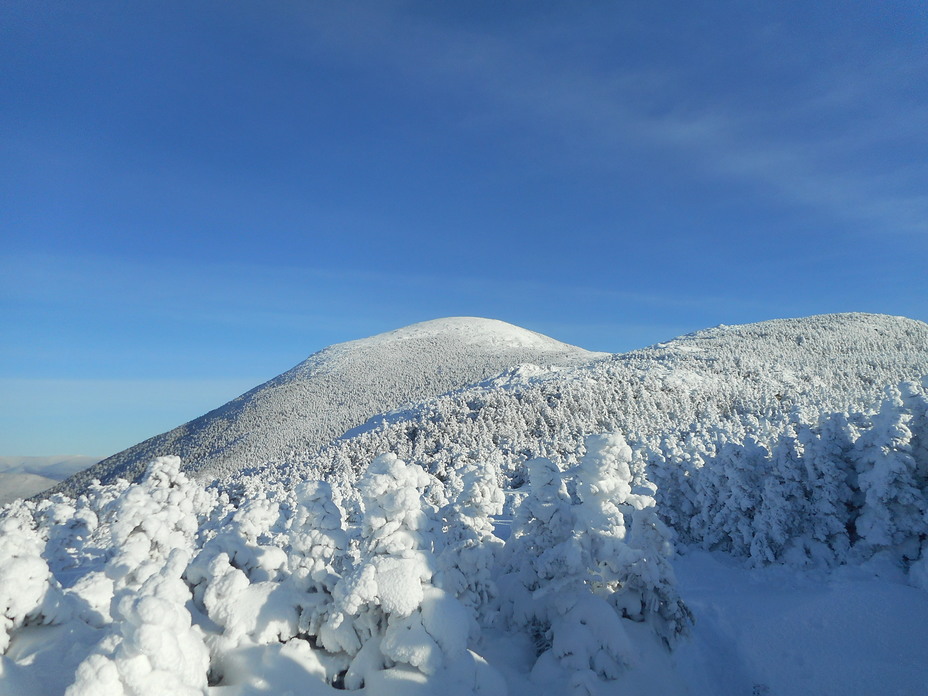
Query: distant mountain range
[26, 476]
[439, 389]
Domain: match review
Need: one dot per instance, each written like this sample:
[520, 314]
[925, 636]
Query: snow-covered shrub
[28, 592]
[147, 521]
[245, 541]
[153, 648]
[241, 579]
[318, 540]
[386, 610]
[67, 525]
[261, 612]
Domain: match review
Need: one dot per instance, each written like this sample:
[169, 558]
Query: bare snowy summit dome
[472, 330]
[339, 388]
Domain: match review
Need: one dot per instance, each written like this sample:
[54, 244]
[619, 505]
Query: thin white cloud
[851, 174]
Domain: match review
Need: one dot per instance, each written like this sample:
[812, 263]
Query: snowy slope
[745, 379]
[339, 388]
[13, 486]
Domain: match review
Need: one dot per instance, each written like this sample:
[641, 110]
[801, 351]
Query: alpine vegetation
[176, 589]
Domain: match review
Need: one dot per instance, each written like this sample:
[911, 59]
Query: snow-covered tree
[915, 400]
[738, 470]
[578, 566]
[318, 548]
[826, 458]
[471, 549]
[779, 521]
[242, 580]
[147, 521]
[629, 547]
[28, 591]
[893, 516]
[549, 587]
[386, 611]
[318, 540]
[541, 553]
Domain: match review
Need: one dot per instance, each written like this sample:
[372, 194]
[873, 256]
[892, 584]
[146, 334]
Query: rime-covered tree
[149, 520]
[779, 527]
[549, 589]
[893, 515]
[915, 401]
[739, 469]
[28, 591]
[826, 459]
[318, 540]
[386, 610]
[471, 549]
[628, 546]
[154, 648]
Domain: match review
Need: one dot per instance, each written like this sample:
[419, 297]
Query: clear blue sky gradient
[194, 196]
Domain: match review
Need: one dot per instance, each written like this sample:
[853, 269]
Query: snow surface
[780, 631]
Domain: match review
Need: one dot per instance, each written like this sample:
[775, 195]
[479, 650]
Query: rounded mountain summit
[337, 389]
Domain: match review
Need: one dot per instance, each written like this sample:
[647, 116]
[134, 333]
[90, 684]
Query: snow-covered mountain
[741, 379]
[27, 476]
[740, 510]
[338, 388]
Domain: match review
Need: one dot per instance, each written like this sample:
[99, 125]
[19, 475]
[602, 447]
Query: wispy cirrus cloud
[840, 138]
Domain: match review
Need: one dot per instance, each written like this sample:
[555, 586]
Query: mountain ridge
[357, 389]
[337, 388]
[746, 379]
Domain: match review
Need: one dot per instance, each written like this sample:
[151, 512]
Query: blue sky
[197, 195]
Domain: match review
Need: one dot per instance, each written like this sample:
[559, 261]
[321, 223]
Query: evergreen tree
[894, 509]
[826, 457]
[779, 522]
[471, 548]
